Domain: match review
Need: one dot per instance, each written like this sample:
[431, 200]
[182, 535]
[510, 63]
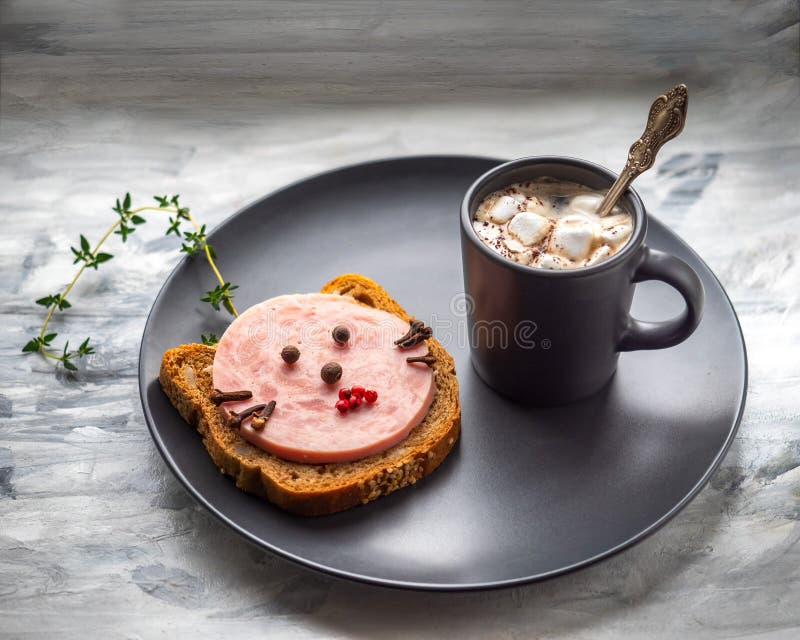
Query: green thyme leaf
[32, 345]
[220, 295]
[84, 349]
[174, 227]
[191, 243]
[54, 299]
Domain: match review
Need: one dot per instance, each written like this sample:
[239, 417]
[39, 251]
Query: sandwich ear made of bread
[316, 489]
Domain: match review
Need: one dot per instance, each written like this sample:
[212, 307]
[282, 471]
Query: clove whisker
[260, 419]
[428, 359]
[218, 397]
[236, 417]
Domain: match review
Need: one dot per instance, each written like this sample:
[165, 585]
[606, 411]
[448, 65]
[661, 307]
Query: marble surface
[224, 102]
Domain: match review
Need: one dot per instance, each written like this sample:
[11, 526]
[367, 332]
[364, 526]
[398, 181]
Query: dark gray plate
[526, 493]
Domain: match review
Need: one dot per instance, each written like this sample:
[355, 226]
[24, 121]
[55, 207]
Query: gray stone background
[226, 101]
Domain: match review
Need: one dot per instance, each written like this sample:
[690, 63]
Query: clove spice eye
[290, 354]
[331, 372]
[340, 334]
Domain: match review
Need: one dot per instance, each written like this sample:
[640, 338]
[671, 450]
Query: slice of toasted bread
[316, 489]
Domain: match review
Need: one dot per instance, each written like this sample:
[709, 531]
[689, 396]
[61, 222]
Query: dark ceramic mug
[551, 337]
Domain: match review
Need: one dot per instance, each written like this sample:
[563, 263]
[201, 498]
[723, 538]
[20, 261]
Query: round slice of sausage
[305, 426]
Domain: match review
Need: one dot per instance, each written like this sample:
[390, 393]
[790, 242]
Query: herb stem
[54, 305]
[128, 215]
[212, 264]
[206, 250]
[66, 291]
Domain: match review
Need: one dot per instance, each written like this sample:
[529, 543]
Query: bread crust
[316, 489]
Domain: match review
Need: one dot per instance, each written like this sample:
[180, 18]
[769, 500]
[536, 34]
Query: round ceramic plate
[526, 493]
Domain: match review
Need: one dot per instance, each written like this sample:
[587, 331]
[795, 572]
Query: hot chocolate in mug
[552, 336]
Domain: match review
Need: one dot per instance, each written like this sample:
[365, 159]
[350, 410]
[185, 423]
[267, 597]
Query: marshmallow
[551, 224]
[587, 203]
[600, 254]
[549, 261]
[535, 205]
[616, 235]
[573, 237]
[503, 209]
[529, 228]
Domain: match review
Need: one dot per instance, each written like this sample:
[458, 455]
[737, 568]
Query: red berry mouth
[352, 398]
[342, 406]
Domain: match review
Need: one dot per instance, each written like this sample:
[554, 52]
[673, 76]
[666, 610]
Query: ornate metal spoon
[665, 121]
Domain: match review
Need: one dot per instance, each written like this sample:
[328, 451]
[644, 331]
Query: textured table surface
[224, 102]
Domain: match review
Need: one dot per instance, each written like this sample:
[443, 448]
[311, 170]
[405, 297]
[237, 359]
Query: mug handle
[657, 265]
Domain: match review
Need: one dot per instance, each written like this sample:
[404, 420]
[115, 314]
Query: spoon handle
[665, 121]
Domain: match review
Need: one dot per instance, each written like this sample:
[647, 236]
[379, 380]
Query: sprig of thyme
[128, 219]
[221, 295]
[209, 340]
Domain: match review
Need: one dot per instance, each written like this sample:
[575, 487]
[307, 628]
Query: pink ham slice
[305, 426]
